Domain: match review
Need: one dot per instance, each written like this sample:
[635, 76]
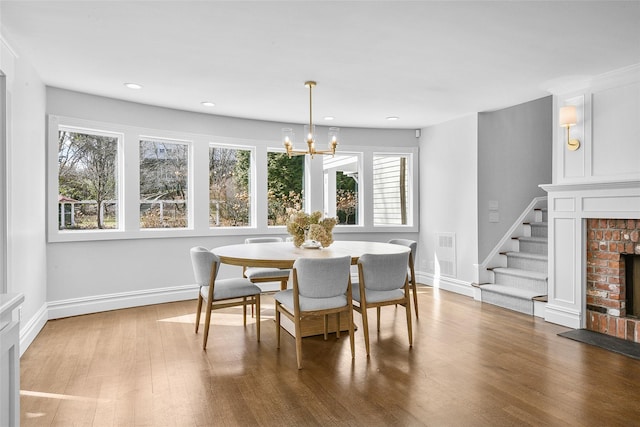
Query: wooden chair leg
[198, 311]
[408, 310]
[365, 326]
[338, 325]
[277, 325]
[298, 341]
[351, 334]
[257, 299]
[207, 321]
[325, 318]
[415, 298]
[244, 310]
[378, 318]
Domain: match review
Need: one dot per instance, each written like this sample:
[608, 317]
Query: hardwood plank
[471, 364]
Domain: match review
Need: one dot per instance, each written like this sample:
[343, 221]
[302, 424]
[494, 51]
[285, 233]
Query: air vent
[445, 261]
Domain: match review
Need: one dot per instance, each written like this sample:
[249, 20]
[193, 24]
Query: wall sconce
[568, 118]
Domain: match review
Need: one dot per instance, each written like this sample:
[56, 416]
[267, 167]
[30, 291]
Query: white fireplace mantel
[569, 205]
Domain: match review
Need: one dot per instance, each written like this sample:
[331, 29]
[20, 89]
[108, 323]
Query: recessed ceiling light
[392, 118]
[133, 85]
[329, 117]
[208, 104]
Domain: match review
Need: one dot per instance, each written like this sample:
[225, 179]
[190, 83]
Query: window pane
[390, 190]
[341, 187]
[87, 176]
[229, 185]
[164, 174]
[284, 187]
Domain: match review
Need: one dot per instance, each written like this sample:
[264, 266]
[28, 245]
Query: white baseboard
[32, 328]
[445, 283]
[539, 309]
[563, 316]
[98, 303]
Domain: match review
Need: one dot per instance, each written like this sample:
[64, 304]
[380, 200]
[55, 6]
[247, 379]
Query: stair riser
[527, 264]
[533, 247]
[507, 301]
[540, 215]
[539, 230]
[539, 286]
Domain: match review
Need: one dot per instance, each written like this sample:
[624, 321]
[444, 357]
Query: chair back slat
[322, 278]
[202, 259]
[384, 272]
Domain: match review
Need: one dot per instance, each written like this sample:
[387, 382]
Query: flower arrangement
[302, 226]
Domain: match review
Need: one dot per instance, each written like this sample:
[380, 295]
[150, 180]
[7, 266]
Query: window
[87, 179]
[341, 197]
[391, 190]
[229, 187]
[110, 181]
[164, 176]
[285, 183]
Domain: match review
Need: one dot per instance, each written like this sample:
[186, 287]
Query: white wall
[514, 158]
[26, 252]
[91, 276]
[448, 199]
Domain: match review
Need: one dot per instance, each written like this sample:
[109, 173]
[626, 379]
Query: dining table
[284, 255]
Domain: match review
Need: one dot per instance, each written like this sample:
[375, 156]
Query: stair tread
[521, 273]
[528, 255]
[537, 223]
[532, 239]
[510, 290]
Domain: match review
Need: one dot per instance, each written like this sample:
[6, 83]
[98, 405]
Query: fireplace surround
[590, 226]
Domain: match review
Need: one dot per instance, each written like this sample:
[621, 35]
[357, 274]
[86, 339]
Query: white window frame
[330, 194]
[252, 184]
[306, 188]
[52, 179]
[198, 192]
[189, 203]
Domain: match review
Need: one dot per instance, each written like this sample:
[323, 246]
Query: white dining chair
[382, 280]
[220, 293]
[262, 275]
[413, 245]
[321, 287]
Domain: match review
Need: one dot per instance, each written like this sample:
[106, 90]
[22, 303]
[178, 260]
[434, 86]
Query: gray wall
[514, 157]
[93, 275]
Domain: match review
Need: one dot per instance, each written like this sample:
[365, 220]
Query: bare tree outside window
[87, 177]
[164, 173]
[229, 186]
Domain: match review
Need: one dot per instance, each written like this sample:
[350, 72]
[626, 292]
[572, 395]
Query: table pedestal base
[311, 326]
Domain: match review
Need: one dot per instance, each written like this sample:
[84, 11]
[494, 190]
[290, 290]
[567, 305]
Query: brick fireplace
[607, 241]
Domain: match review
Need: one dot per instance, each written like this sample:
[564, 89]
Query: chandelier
[288, 135]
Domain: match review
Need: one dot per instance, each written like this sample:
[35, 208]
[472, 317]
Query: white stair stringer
[516, 273]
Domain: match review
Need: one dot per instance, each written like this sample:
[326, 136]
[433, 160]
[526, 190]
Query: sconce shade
[568, 116]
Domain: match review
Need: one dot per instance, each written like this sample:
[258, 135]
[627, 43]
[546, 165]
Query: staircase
[519, 282]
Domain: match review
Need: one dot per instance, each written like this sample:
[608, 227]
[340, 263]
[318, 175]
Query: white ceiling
[423, 61]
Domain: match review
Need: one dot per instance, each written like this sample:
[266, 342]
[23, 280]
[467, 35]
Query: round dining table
[284, 254]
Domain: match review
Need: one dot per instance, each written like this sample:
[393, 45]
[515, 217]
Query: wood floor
[472, 364]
